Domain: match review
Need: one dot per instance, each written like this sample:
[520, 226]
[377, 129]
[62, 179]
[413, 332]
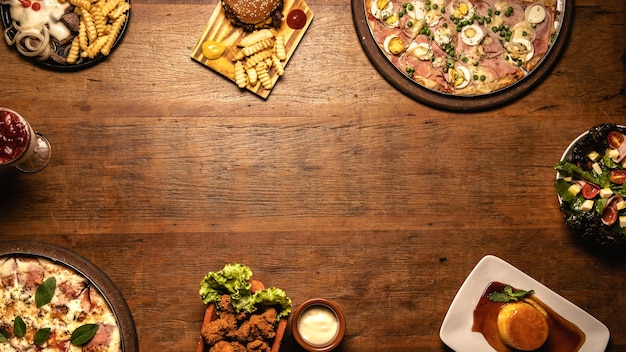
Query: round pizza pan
[451, 102]
[5, 15]
[89, 271]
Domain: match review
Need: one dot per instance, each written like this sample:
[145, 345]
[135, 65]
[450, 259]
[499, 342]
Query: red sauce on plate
[564, 336]
[296, 19]
[13, 136]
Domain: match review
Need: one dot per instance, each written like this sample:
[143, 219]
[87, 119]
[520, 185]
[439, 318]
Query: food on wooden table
[515, 320]
[242, 314]
[464, 47]
[213, 50]
[50, 307]
[254, 14]
[523, 325]
[65, 32]
[296, 19]
[591, 187]
[259, 52]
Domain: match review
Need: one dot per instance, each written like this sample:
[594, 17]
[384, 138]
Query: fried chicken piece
[225, 307]
[258, 327]
[222, 346]
[218, 329]
[239, 347]
[258, 346]
[226, 346]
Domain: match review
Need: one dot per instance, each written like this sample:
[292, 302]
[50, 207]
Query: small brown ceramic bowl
[318, 325]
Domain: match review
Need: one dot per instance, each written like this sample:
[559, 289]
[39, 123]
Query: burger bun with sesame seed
[252, 15]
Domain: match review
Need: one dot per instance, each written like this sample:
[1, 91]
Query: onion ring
[25, 38]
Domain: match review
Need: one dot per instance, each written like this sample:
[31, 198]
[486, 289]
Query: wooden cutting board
[220, 29]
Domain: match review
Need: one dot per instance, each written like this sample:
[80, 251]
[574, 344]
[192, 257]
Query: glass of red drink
[20, 145]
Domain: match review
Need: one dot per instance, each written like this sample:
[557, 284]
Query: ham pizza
[464, 47]
[47, 306]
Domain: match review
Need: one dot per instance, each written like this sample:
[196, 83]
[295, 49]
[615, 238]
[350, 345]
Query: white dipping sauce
[318, 325]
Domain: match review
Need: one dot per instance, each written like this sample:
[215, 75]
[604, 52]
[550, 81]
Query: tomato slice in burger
[618, 177]
[615, 139]
[590, 190]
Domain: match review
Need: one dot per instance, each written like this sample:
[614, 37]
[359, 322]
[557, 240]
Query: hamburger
[252, 15]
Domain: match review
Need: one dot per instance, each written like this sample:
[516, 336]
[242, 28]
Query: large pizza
[47, 306]
[464, 47]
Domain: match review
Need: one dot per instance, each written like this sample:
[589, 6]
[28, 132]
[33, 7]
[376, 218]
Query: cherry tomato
[590, 191]
[615, 139]
[610, 214]
[618, 177]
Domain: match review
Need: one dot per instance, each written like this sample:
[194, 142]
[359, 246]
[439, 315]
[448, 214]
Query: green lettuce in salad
[234, 280]
[592, 187]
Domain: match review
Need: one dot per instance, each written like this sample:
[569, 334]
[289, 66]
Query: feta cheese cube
[622, 221]
[606, 192]
[593, 155]
[587, 205]
[597, 168]
[613, 153]
[574, 189]
[620, 205]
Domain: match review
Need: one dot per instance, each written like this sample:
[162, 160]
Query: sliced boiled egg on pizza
[472, 35]
[520, 50]
[393, 45]
[422, 51]
[382, 9]
[417, 10]
[459, 76]
[523, 30]
[434, 11]
[442, 36]
[463, 10]
[535, 13]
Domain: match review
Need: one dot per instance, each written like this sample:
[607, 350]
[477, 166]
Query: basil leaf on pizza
[19, 327]
[46, 303]
[41, 336]
[84, 333]
[45, 291]
[464, 47]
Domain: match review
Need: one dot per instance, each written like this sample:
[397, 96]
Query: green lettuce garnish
[233, 280]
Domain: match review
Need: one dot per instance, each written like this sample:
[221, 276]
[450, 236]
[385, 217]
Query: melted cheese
[50, 13]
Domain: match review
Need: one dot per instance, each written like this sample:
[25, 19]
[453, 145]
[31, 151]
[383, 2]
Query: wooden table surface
[336, 186]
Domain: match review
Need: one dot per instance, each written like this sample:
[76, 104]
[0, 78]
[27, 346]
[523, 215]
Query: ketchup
[296, 19]
[13, 136]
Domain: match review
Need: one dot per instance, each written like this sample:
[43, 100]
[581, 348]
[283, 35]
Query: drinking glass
[20, 146]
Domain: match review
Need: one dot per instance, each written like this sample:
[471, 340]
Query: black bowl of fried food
[591, 185]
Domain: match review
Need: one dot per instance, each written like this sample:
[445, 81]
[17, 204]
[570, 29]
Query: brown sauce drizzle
[564, 336]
